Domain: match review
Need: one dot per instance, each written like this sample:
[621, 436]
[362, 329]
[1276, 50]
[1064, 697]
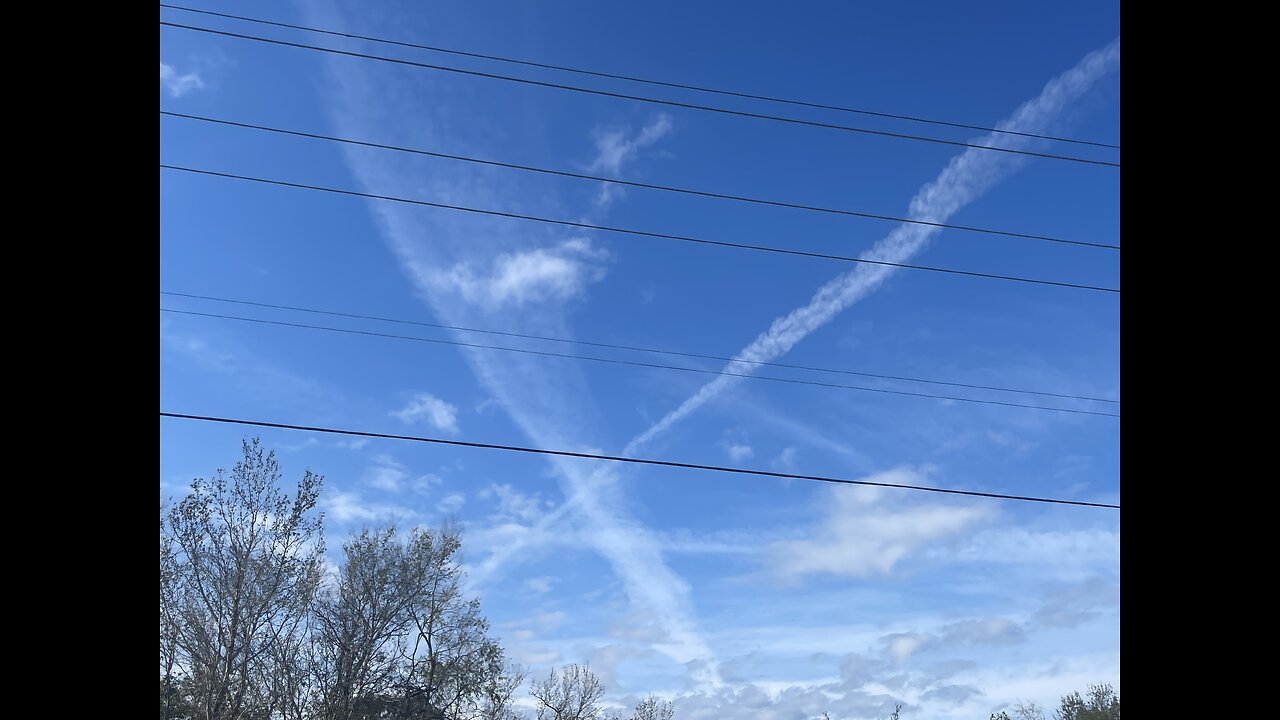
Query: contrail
[964, 180]
[547, 404]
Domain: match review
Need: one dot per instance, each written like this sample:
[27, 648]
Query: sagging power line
[640, 233]
[633, 363]
[633, 183]
[640, 98]
[632, 460]
[633, 348]
[635, 79]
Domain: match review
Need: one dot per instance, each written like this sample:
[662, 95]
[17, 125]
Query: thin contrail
[964, 180]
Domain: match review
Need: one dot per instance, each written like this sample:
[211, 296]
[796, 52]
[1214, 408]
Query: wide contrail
[964, 180]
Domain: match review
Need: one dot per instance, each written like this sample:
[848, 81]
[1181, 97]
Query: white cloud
[539, 585]
[423, 483]
[786, 459]
[557, 273]
[435, 412]
[1062, 555]
[1074, 605]
[391, 475]
[386, 474]
[350, 507]
[451, 503]
[513, 504]
[739, 452]
[302, 445]
[545, 622]
[616, 147]
[178, 84]
[901, 646]
[862, 536]
[972, 632]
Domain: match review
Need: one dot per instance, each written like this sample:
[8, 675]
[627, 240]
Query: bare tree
[573, 694]
[498, 690]
[245, 562]
[451, 658]
[1101, 702]
[653, 708]
[250, 628]
[360, 624]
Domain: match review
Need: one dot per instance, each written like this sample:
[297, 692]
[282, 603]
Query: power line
[639, 98]
[633, 363]
[623, 459]
[633, 348]
[646, 81]
[630, 183]
[640, 233]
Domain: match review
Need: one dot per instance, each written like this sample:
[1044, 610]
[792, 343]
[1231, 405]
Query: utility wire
[632, 348]
[639, 98]
[633, 363]
[641, 233]
[630, 183]
[646, 81]
[633, 460]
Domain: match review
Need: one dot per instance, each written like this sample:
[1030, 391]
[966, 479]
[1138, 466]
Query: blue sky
[736, 597]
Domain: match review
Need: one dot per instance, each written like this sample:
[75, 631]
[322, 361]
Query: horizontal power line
[646, 81]
[640, 233]
[633, 348]
[639, 98]
[634, 363]
[630, 183]
[623, 459]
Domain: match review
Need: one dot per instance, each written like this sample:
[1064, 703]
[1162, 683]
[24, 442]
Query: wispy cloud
[982, 631]
[739, 452]
[425, 407]
[386, 474]
[549, 274]
[965, 179]
[514, 505]
[863, 534]
[451, 503]
[786, 460]
[178, 84]
[539, 585]
[615, 147]
[237, 364]
[352, 508]
[1074, 605]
